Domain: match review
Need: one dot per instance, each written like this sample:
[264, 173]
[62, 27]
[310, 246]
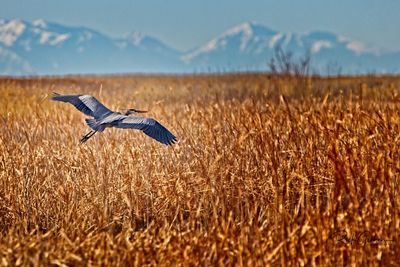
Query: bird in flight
[104, 118]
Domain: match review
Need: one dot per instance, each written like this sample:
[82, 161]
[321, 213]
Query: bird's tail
[92, 124]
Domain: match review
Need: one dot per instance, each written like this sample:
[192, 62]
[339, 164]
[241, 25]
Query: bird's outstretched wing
[150, 127]
[85, 103]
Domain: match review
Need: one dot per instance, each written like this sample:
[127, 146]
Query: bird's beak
[139, 111]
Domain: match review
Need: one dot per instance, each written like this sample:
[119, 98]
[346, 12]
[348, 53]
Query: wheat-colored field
[269, 170]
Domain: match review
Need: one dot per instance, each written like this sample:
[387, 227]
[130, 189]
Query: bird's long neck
[134, 111]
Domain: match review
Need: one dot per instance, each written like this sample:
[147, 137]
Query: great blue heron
[104, 117]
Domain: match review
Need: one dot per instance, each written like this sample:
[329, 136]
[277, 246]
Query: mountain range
[44, 48]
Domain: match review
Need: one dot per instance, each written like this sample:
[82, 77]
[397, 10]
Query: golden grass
[268, 171]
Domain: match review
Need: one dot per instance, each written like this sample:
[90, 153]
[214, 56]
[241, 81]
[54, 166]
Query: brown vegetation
[269, 170]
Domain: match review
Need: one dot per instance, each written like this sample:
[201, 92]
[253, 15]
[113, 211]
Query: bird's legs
[87, 136]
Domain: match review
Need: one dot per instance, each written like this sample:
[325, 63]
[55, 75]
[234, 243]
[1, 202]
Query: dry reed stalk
[257, 178]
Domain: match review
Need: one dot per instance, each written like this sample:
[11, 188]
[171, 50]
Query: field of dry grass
[268, 171]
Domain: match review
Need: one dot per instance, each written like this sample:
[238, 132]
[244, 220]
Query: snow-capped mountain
[50, 48]
[41, 47]
[248, 46]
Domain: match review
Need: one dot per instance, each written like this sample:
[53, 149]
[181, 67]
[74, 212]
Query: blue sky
[184, 24]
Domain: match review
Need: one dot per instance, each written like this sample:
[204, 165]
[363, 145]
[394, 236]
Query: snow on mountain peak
[318, 45]
[275, 39]
[135, 37]
[26, 33]
[361, 48]
[10, 31]
[26, 44]
[208, 47]
[39, 23]
[247, 37]
[49, 36]
[52, 38]
[356, 46]
[246, 28]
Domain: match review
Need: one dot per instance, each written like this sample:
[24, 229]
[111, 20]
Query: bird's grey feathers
[85, 103]
[103, 117]
[150, 127]
[95, 125]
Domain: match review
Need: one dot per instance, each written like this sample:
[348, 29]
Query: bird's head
[134, 111]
